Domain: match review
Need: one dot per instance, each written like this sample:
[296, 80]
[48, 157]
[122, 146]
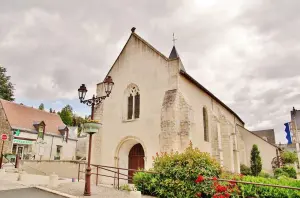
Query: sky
[245, 52]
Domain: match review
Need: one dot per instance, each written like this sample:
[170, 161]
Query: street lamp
[108, 85]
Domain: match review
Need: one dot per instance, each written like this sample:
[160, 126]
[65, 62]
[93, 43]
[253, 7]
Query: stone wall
[176, 122]
[5, 129]
[63, 168]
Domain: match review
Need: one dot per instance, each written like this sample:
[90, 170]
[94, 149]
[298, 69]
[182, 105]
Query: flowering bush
[92, 121]
[219, 189]
[178, 172]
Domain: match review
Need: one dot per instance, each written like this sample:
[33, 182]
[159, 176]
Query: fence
[116, 170]
[117, 176]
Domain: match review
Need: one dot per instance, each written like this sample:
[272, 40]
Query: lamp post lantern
[108, 85]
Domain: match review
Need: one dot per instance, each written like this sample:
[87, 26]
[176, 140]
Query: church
[156, 106]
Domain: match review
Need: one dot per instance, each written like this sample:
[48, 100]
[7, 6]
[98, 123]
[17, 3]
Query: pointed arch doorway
[135, 159]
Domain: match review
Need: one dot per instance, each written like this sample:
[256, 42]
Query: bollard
[53, 180]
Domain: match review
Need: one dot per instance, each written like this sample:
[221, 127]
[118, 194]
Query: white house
[156, 106]
[35, 134]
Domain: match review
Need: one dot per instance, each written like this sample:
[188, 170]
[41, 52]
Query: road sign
[4, 137]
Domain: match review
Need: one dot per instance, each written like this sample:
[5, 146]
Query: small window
[41, 131]
[205, 125]
[265, 138]
[58, 152]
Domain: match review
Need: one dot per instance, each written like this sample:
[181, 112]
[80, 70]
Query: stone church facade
[156, 106]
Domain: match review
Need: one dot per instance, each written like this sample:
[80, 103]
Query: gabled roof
[174, 55]
[192, 80]
[23, 117]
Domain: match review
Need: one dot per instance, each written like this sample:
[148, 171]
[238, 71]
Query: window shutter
[130, 107]
[137, 105]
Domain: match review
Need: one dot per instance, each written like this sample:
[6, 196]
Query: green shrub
[291, 171]
[178, 172]
[245, 170]
[279, 172]
[264, 174]
[287, 171]
[248, 190]
[146, 183]
[125, 187]
[288, 157]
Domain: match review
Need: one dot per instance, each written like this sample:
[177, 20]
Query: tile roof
[23, 117]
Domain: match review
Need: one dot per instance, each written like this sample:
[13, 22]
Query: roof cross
[174, 39]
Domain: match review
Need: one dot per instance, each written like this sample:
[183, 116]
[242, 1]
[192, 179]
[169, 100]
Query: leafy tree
[41, 107]
[256, 165]
[6, 87]
[288, 157]
[78, 121]
[66, 114]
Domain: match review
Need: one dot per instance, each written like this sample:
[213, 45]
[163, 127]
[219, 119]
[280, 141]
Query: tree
[256, 165]
[289, 157]
[41, 107]
[6, 87]
[78, 121]
[66, 114]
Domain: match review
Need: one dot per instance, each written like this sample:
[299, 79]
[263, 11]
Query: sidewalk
[65, 186]
[77, 188]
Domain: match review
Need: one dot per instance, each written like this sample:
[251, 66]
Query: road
[27, 193]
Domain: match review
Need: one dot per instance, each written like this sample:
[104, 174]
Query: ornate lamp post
[108, 85]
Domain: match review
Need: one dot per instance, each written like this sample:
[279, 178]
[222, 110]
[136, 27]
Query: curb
[55, 192]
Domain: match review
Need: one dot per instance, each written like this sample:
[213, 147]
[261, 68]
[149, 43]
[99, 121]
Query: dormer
[40, 128]
[64, 131]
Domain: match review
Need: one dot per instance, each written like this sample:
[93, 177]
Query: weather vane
[174, 39]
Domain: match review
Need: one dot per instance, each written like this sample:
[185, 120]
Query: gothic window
[205, 125]
[133, 102]
[130, 107]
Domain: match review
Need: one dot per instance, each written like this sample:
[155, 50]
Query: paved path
[76, 189]
[27, 193]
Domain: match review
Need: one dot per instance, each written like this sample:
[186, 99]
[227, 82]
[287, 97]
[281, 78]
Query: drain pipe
[51, 147]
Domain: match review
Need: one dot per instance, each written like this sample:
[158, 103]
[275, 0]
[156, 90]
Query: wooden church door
[135, 159]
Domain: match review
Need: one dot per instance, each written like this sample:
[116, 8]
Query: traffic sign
[4, 137]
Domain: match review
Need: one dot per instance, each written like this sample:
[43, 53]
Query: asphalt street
[27, 193]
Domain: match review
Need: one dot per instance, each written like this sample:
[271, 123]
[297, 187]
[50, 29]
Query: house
[156, 106]
[34, 133]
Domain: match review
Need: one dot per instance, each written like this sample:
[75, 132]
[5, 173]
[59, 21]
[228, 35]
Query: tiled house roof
[23, 117]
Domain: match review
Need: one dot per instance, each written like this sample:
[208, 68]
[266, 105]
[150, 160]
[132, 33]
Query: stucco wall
[142, 66]
[267, 151]
[199, 99]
